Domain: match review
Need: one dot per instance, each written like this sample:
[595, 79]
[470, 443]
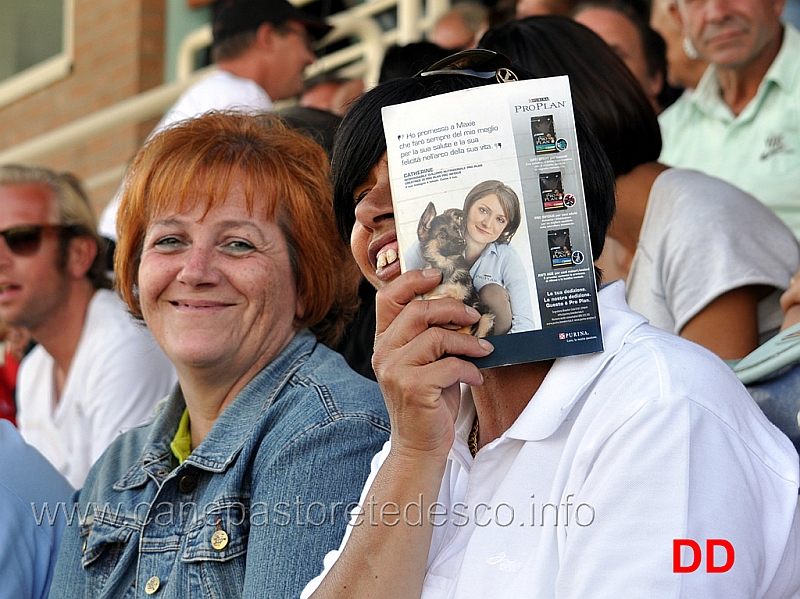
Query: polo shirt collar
[570, 377]
[783, 70]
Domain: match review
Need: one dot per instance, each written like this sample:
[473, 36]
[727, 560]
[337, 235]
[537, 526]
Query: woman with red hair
[228, 253]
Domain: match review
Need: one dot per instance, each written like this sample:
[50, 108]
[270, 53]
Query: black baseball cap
[235, 16]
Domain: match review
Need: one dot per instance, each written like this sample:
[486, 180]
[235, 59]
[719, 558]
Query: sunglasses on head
[25, 240]
[484, 64]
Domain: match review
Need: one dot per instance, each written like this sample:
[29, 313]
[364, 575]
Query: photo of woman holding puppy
[493, 216]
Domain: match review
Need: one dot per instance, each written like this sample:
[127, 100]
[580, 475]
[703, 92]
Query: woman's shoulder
[505, 249]
[688, 192]
[324, 403]
[683, 202]
[336, 391]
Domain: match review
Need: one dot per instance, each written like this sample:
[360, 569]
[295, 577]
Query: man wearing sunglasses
[94, 373]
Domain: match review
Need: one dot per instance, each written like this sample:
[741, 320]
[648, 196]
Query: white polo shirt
[117, 375]
[650, 441]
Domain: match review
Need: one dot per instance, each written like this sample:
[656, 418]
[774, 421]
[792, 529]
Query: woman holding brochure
[565, 478]
[493, 215]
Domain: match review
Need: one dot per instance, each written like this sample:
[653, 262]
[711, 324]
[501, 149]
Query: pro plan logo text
[536, 104]
[684, 562]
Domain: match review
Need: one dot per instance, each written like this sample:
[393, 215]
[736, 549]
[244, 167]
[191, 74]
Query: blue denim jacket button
[188, 483]
[152, 585]
[219, 540]
[228, 516]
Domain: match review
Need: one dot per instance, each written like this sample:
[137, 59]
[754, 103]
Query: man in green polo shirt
[742, 123]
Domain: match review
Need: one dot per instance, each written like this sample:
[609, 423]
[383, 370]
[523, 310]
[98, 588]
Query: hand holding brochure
[486, 185]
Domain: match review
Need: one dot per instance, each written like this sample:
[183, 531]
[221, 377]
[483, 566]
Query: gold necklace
[472, 440]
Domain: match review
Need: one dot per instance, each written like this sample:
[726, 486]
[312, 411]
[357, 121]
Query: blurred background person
[83, 383]
[261, 50]
[321, 107]
[683, 72]
[461, 27]
[331, 93]
[530, 8]
[740, 124]
[410, 59]
[641, 49]
[228, 252]
[14, 344]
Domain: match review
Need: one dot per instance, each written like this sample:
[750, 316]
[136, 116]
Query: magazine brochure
[473, 163]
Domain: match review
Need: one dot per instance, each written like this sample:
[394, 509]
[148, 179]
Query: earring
[689, 49]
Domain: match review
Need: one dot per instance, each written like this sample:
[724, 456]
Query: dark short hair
[235, 45]
[603, 88]
[508, 200]
[360, 144]
[408, 60]
[655, 49]
[232, 47]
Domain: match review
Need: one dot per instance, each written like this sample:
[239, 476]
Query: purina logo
[562, 336]
[576, 334]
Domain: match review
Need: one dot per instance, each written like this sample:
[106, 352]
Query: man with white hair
[740, 124]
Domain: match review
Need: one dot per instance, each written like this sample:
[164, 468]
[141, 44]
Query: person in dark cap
[261, 48]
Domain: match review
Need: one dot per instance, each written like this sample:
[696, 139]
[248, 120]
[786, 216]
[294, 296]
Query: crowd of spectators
[211, 381]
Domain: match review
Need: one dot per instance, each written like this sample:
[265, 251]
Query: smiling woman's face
[217, 289]
[374, 239]
[486, 219]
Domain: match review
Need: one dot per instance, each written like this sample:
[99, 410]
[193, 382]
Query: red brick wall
[119, 47]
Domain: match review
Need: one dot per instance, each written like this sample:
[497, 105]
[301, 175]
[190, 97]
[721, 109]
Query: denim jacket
[254, 508]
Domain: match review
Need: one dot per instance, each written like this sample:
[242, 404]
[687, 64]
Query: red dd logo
[697, 556]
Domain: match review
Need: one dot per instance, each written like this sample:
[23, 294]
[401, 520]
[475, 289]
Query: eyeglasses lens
[23, 241]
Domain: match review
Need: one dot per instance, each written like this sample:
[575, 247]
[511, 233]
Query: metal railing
[361, 58]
